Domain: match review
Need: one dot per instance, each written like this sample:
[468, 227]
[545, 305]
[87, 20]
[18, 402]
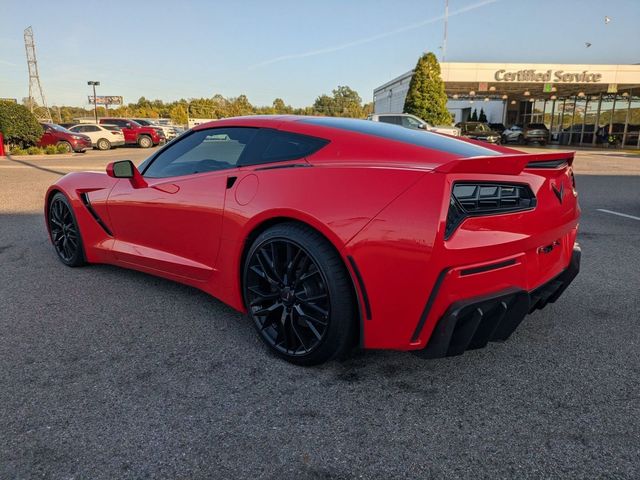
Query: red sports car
[331, 233]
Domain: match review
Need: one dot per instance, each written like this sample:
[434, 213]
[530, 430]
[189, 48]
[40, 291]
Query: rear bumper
[472, 323]
[536, 137]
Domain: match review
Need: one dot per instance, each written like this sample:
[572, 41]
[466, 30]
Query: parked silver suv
[411, 121]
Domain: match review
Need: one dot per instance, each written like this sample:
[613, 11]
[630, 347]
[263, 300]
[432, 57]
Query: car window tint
[201, 151]
[420, 138]
[277, 146]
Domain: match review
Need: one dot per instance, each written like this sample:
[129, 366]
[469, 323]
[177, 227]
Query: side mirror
[126, 169]
[422, 126]
[121, 169]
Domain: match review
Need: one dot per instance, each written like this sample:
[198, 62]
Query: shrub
[50, 150]
[61, 148]
[35, 151]
[18, 125]
[18, 151]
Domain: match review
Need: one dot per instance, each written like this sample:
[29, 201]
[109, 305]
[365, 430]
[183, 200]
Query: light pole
[95, 105]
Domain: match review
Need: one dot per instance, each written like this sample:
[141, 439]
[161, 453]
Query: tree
[18, 125]
[325, 105]
[482, 117]
[280, 107]
[344, 102]
[474, 116]
[239, 106]
[347, 102]
[178, 115]
[426, 97]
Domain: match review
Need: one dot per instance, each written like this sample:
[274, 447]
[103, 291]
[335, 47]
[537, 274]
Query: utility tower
[37, 102]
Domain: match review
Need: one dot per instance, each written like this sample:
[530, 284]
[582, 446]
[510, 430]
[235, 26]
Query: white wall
[493, 109]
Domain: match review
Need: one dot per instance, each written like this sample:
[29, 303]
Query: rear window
[538, 125]
[420, 138]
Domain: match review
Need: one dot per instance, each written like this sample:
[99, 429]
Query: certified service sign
[559, 76]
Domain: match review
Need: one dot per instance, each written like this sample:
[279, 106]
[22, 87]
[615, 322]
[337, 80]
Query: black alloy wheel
[298, 294]
[65, 234]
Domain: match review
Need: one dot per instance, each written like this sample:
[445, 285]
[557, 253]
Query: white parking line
[617, 213]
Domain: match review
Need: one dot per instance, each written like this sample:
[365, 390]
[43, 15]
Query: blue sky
[295, 50]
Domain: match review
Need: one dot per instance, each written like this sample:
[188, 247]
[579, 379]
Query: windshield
[479, 127]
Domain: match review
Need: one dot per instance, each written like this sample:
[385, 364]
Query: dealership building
[580, 104]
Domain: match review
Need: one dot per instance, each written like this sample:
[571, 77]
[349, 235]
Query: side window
[91, 128]
[278, 146]
[394, 120]
[410, 122]
[202, 151]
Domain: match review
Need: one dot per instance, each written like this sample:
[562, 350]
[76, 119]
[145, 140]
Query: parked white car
[415, 123]
[103, 137]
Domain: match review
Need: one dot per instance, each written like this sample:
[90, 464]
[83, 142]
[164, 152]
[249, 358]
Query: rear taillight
[470, 199]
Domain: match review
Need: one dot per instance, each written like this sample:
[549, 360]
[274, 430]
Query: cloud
[9, 64]
[373, 38]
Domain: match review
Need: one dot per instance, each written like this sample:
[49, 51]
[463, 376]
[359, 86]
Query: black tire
[103, 144]
[67, 146]
[521, 140]
[144, 141]
[299, 295]
[64, 231]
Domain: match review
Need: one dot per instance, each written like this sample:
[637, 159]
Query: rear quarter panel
[336, 201]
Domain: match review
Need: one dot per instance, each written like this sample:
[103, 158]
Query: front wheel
[64, 231]
[145, 142]
[298, 293]
[65, 147]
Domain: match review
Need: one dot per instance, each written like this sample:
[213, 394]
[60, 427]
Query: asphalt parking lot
[109, 373]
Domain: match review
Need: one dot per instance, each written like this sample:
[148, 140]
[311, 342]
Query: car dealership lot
[108, 373]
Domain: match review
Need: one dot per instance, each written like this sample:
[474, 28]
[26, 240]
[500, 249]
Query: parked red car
[332, 232]
[57, 135]
[136, 134]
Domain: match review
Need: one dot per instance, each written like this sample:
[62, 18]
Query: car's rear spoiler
[508, 163]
